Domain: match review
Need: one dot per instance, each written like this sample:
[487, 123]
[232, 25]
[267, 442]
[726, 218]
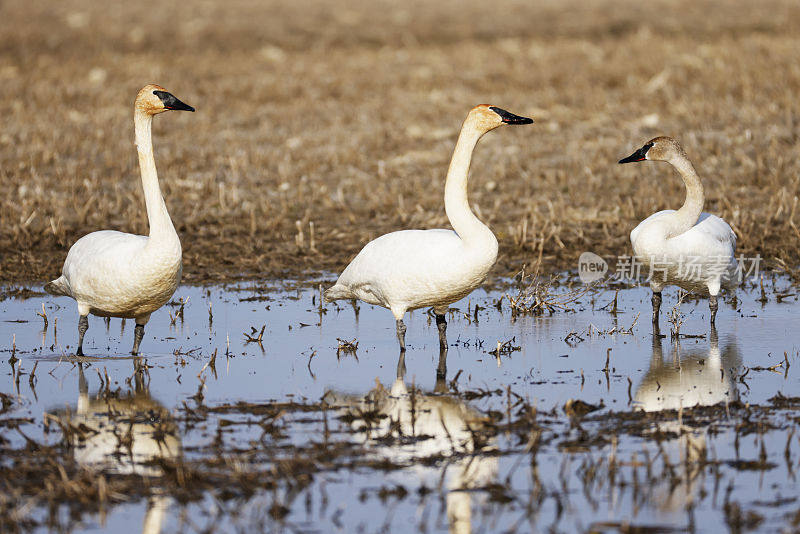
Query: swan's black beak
[639, 155]
[172, 103]
[510, 118]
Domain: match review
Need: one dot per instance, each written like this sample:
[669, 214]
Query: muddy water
[427, 449]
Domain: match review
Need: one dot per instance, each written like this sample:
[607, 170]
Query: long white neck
[468, 227]
[686, 217]
[161, 228]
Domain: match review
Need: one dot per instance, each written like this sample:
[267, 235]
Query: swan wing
[710, 236]
[716, 228]
[703, 257]
[409, 252]
[101, 258]
[413, 268]
[708, 231]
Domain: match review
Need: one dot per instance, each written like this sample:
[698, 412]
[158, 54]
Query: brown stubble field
[341, 117]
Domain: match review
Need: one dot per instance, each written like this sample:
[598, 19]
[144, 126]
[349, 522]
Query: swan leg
[713, 305]
[656, 300]
[441, 324]
[138, 334]
[401, 334]
[83, 326]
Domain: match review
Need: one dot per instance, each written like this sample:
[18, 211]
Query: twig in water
[773, 368]
[741, 378]
[255, 336]
[32, 377]
[13, 359]
[763, 298]
[504, 348]
[630, 385]
[313, 376]
[198, 397]
[43, 315]
[346, 347]
[213, 363]
[612, 304]
[675, 317]
[539, 297]
[573, 339]
[178, 314]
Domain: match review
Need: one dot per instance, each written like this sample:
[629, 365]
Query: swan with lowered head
[412, 269]
[114, 274]
[688, 248]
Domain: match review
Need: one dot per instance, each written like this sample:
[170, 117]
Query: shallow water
[427, 449]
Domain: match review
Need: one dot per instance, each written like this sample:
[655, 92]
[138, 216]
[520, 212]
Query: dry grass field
[322, 124]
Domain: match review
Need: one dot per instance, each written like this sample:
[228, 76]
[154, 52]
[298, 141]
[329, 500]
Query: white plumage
[413, 269]
[688, 248]
[114, 274]
[700, 259]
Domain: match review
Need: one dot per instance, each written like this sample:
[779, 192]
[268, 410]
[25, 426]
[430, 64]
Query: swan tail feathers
[337, 292]
[57, 287]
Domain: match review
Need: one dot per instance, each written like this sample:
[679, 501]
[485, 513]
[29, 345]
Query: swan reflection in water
[699, 376]
[445, 428]
[125, 434]
[694, 377]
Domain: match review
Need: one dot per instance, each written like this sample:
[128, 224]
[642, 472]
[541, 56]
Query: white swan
[412, 269]
[687, 248]
[114, 274]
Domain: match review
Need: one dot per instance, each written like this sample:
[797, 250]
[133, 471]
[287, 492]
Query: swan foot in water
[401, 334]
[656, 300]
[138, 334]
[713, 305]
[83, 326]
[441, 324]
